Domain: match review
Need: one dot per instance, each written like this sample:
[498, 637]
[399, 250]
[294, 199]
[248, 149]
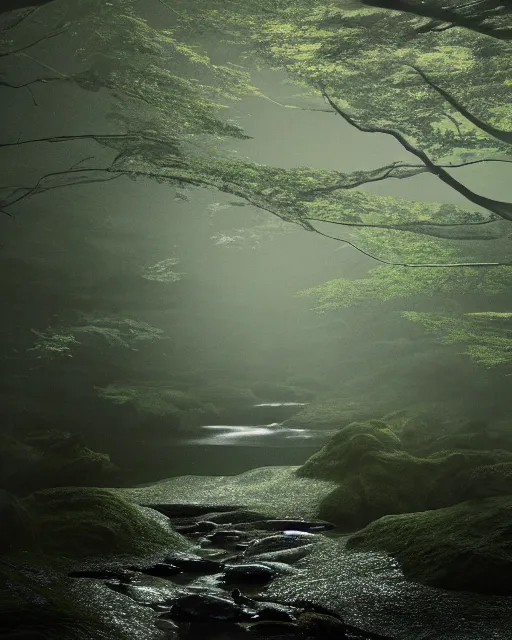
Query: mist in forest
[219, 282]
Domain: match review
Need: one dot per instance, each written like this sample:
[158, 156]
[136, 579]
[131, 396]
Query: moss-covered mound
[376, 477]
[34, 608]
[465, 547]
[81, 523]
[424, 431]
[49, 533]
[345, 451]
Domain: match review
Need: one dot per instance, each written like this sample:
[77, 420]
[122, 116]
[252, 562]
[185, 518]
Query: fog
[215, 423]
[232, 317]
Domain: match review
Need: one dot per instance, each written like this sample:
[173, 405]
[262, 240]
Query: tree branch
[416, 264]
[443, 14]
[352, 185]
[47, 36]
[97, 137]
[502, 209]
[499, 134]
[27, 85]
[433, 229]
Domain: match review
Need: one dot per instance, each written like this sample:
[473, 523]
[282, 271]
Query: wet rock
[190, 563]
[226, 535]
[82, 523]
[287, 525]
[239, 515]
[434, 548]
[120, 575]
[253, 573]
[280, 542]
[201, 607]
[266, 609]
[270, 629]
[184, 510]
[170, 628]
[162, 570]
[284, 555]
[148, 591]
[196, 528]
[321, 626]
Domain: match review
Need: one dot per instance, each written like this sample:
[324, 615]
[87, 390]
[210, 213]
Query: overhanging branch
[499, 134]
[234, 190]
[501, 209]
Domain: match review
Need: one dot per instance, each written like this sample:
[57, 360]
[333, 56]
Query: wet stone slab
[370, 592]
[272, 491]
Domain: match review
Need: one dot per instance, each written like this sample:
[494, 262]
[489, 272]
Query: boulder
[376, 477]
[464, 547]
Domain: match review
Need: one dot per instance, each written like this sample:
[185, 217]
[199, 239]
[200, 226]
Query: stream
[227, 449]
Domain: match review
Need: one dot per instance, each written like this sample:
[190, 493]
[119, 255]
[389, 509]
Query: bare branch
[502, 209]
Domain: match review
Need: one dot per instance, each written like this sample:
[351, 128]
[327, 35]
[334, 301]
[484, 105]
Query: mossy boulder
[81, 523]
[51, 458]
[51, 532]
[465, 547]
[33, 607]
[345, 451]
[427, 430]
[488, 480]
[376, 477]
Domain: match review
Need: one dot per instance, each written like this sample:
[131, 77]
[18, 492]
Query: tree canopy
[435, 78]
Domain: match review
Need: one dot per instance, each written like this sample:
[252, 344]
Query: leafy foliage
[115, 332]
[388, 283]
[487, 335]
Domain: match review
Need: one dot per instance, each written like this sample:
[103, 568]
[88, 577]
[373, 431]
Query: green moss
[346, 450]
[488, 480]
[467, 546]
[78, 523]
[56, 530]
[328, 414]
[33, 606]
[376, 477]
[424, 431]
